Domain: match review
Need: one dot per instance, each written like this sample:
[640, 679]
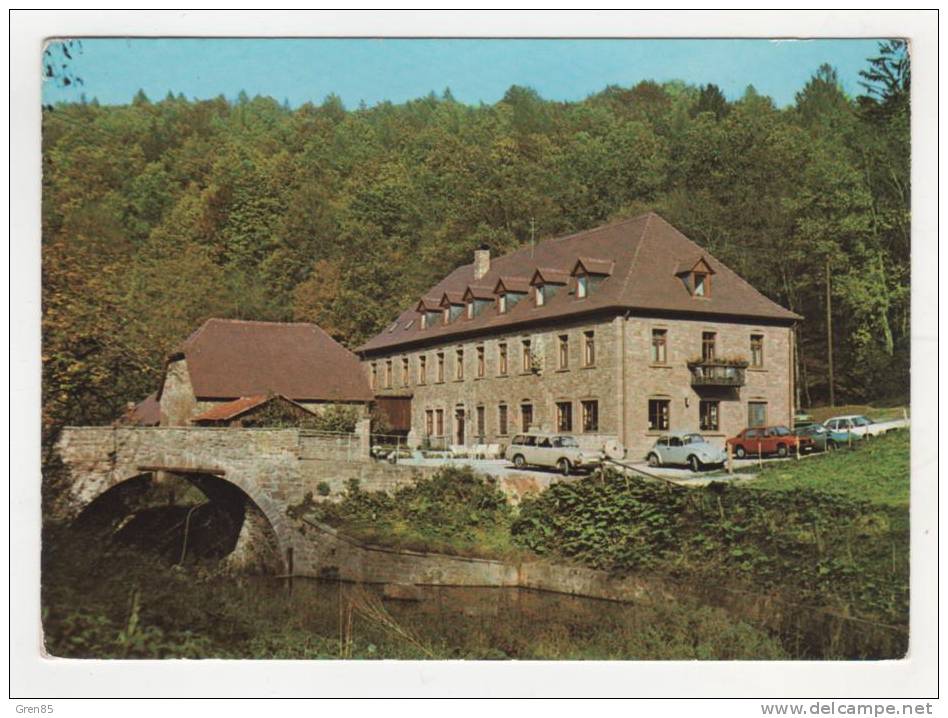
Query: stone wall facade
[541, 384]
[330, 554]
[621, 380]
[770, 384]
[271, 466]
[179, 405]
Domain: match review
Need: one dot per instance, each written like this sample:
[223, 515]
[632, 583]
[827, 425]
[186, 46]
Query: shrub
[828, 549]
[455, 511]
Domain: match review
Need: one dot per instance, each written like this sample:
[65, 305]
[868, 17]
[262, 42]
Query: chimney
[481, 261]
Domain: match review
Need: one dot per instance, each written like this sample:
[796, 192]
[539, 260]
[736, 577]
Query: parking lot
[499, 468]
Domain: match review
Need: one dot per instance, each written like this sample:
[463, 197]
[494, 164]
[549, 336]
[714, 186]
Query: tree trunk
[829, 334]
[885, 305]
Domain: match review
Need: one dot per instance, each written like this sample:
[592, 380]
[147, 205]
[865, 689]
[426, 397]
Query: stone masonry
[621, 380]
[275, 468]
[265, 464]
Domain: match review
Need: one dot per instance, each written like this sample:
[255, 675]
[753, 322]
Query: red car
[777, 440]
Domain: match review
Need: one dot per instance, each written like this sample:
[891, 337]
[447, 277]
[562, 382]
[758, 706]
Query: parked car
[560, 451]
[800, 420]
[685, 448]
[819, 436]
[862, 426]
[777, 440]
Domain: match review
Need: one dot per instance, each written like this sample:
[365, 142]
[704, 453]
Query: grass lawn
[822, 413]
[876, 471]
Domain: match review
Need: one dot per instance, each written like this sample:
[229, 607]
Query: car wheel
[739, 452]
[519, 461]
[782, 451]
[694, 464]
[563, 466]
[652, 459]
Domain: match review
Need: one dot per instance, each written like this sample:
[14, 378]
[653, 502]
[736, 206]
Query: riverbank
[121, 604]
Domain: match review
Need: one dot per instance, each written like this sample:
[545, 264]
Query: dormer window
[543, 293]
[701, 284]
[428, 309]
[476, 300]
[509, 291]
[452, 306]
[582, 286]
[545, 284]
[696, 276]
[589, 273]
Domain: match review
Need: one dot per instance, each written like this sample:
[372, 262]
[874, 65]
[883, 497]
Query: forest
[161, 213]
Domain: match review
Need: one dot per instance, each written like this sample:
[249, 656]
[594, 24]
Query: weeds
[455, 512]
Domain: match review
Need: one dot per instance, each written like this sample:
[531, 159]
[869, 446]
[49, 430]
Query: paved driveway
[492, 467]
[501, 468]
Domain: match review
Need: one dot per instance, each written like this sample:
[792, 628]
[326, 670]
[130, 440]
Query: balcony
[717, 373]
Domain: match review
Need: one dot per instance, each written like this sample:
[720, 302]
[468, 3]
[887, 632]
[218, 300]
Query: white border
[38, 677]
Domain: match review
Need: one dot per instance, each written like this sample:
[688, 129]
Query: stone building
[620, 332]
[230, 370]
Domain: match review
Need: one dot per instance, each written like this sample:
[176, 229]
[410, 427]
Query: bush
[455, 511]
[323, 489]
[826, 549]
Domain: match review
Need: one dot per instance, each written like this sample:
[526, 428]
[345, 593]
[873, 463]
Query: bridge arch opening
[187, 517]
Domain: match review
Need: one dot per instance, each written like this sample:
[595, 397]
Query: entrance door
[459, 426]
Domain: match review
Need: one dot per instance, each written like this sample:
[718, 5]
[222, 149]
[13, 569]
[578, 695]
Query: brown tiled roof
[689, 264]
[520, 285]
[453, 297]
[591, 265]
[645, 253]
[232, 409]
[480, 292]
[429, 303]
[230, 358]
[545, 275]
[147, 412]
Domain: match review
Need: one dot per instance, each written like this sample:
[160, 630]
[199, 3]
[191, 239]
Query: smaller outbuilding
[247, 373]
[259, 410]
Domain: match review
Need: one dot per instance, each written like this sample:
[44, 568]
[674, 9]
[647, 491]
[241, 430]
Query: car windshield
[860, 421]
[567, 442]
[782, 431]
[694, 439]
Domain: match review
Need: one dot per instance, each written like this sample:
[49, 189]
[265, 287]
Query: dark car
[819, 438]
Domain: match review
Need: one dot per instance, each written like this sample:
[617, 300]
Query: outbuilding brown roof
[232, 409]
[640, 257]
[147, 412]
[231, 358]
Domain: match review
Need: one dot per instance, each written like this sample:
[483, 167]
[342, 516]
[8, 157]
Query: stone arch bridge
[273, 468]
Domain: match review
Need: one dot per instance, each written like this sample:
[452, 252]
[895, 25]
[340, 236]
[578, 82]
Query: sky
[376, 70]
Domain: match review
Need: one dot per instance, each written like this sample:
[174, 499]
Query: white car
[561, 451]
[685, 448]
[863, 426]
